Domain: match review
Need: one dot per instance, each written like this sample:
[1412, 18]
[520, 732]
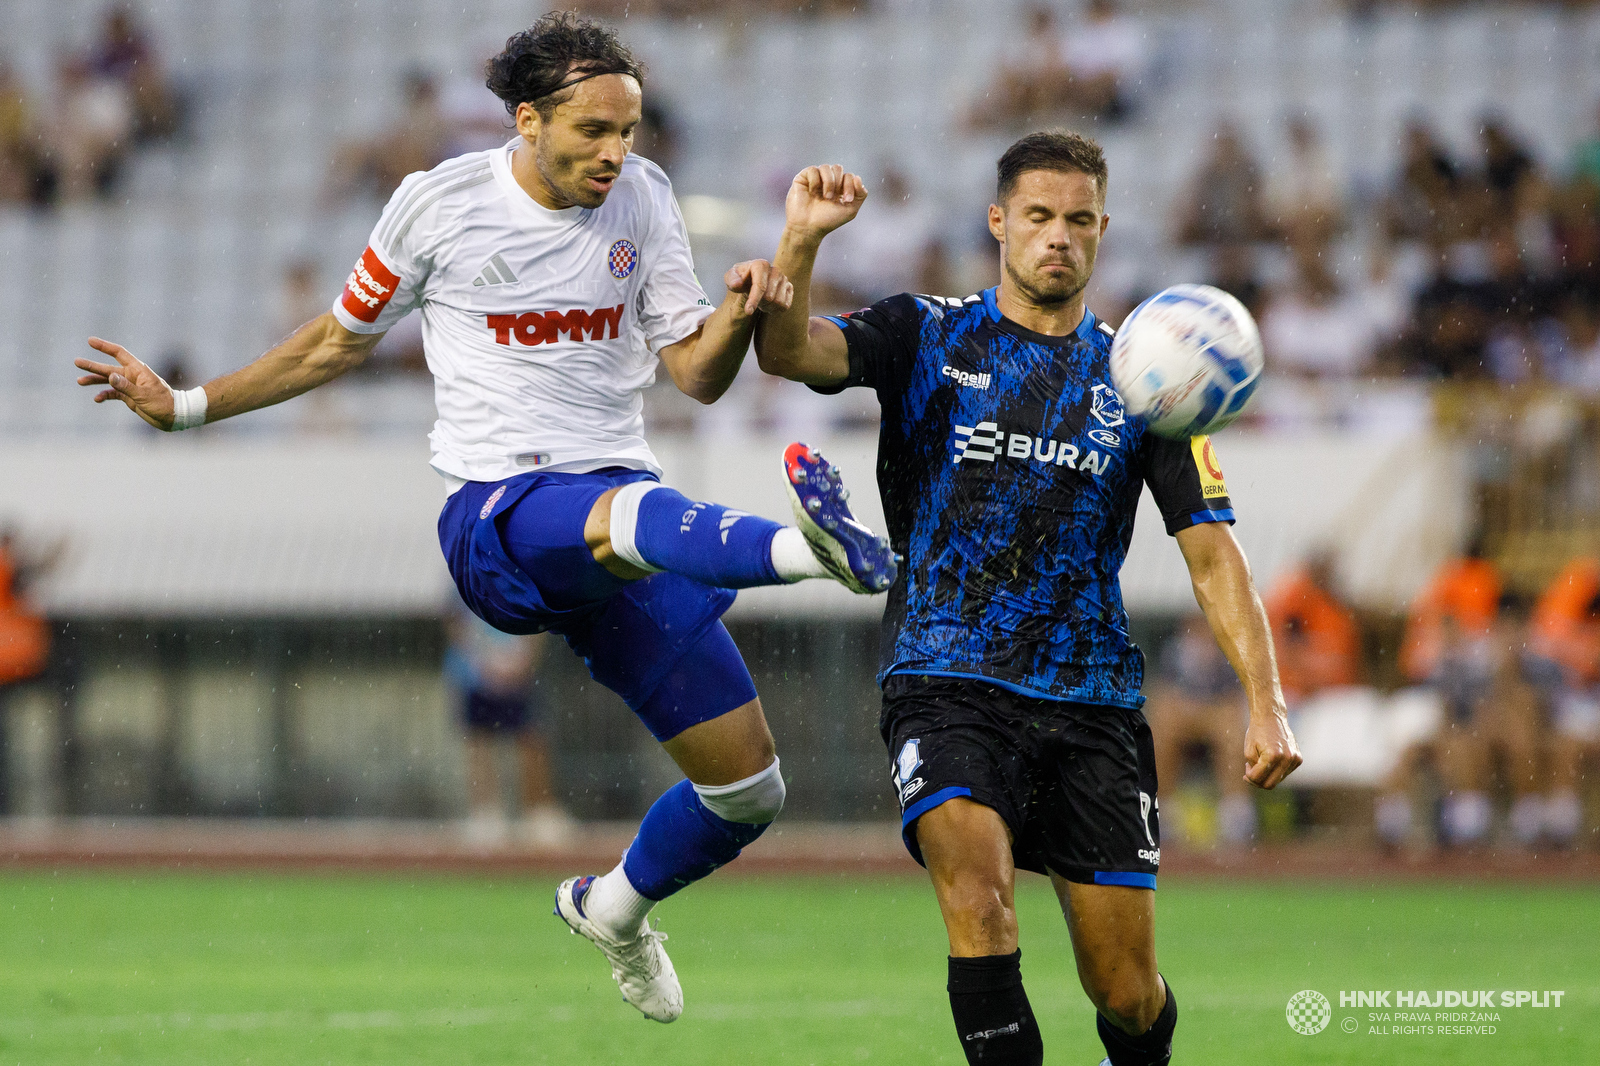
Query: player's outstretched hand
[764, 285]
[129, 381]
[822, 199]
[1270, 753]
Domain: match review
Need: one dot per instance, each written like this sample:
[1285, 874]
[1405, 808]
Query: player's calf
[993, 1017]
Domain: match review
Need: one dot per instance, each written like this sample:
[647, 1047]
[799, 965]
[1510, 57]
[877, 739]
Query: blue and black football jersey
[1010, 476]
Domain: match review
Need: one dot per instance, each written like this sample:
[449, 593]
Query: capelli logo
[966, 380]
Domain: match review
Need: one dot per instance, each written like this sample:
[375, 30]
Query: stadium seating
[188, 257]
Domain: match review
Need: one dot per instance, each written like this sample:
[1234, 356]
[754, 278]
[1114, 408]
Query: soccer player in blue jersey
[553, 276]
[1010, 475]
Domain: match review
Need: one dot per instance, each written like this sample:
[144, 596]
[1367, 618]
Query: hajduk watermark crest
[1309, 1012]
[1445, 1012]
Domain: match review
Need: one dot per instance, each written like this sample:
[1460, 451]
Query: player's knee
[1132, 1002]
[756, 800]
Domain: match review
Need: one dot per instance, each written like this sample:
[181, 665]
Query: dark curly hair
[540, 64]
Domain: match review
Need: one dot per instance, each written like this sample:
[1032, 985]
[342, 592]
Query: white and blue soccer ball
[1187, 360]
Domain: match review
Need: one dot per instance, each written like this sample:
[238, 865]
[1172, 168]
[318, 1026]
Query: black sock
[993, 1019]
[1153, 1047]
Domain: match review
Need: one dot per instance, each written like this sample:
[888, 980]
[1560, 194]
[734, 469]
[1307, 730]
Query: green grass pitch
[179, 969]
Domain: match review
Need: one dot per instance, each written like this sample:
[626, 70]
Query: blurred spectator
[656, 136]
[1385, 301]
[1090, 66]
[1223, 204]
[1565, 632]
[1511, 301]
[1585, 165]
[1310, 328]
[1509, 171]
[1196, 702]
[1233, 270]
[1450, 618]
[1577, 332]
[494, 675]
[418, 141]
[474, 118]
[126, 55]
[1565, 629]
[1451, 319]
[1496, 723]
[1423, 200]
[24, 633]
[1316, 637]
[1033, 74]
[1305, 195]
[92, 130]
[1104, 57]
[24, 175]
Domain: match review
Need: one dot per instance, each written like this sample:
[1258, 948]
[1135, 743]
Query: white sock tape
[188, 408]
[754, 801]
[625, 522]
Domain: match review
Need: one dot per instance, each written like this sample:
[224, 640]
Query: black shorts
[1075, 782]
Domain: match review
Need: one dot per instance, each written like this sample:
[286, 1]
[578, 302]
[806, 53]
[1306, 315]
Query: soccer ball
[1187, 360]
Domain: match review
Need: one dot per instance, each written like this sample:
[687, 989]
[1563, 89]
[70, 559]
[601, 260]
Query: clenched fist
[822, 199]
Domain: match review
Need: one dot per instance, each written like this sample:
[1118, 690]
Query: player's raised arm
[790, 343]
[1227, 594]
[705, 363]
[317, 352]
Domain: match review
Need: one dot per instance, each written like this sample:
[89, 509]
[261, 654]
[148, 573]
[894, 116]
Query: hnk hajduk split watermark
[1419, 1012]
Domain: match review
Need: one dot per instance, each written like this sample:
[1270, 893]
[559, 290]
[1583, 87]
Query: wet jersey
[1010, 475]
[541, 327]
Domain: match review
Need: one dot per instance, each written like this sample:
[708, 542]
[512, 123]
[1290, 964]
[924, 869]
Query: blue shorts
[488, 712]
[516, 551]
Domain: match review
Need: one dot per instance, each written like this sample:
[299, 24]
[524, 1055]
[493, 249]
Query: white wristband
[188, 409]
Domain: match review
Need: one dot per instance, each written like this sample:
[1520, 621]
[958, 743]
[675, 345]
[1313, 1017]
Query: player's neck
[1053, 320]
[525, 169]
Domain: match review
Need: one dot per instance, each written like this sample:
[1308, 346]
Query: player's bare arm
[313, 355]
[705, 363]
[791, 344]
[1227, 594]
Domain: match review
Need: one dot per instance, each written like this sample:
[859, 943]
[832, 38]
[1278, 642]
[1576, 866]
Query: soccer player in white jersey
[553, 274]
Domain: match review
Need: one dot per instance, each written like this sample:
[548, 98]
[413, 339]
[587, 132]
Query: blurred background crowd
[1407, 197]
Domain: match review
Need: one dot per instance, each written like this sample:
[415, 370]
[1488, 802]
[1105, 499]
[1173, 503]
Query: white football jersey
[540, 326]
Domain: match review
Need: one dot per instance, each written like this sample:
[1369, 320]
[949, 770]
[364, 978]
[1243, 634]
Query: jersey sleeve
[672, 305]
[881, 343]
[1186, 481]
[386, 282]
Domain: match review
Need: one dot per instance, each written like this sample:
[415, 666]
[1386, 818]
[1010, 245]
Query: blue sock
[711, 543]
[680, 841]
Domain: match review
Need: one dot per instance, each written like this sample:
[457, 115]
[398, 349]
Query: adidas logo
[729, 517]
[495, 272]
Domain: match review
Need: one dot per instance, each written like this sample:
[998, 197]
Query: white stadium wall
[191, 527]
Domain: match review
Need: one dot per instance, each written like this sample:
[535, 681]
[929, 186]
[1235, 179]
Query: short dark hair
[538, 64]
[1051, 150]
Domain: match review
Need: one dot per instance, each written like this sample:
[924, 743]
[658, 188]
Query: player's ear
[528, 122]
[997, 223]
[1105, 220]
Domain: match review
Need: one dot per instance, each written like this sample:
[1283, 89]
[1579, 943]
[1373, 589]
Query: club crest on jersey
[622, 258]
[1107, 408]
